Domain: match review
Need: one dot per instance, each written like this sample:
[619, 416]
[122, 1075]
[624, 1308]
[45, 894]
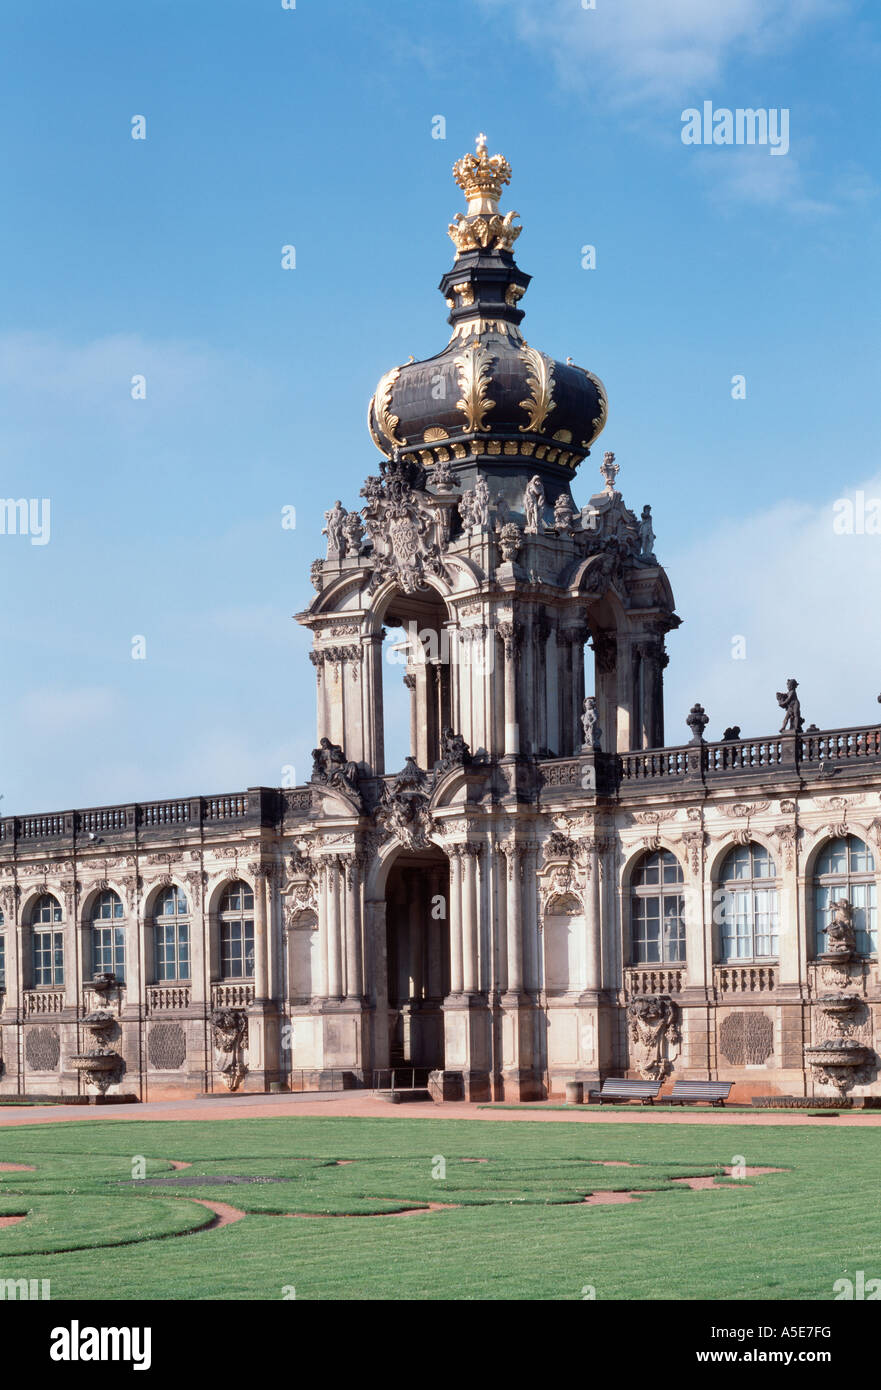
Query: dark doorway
[418, 958]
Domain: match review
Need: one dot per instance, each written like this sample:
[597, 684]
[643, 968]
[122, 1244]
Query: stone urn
[839, 1008]
[99, 1068]
[836, 1062]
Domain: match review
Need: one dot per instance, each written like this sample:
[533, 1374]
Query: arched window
[171, 928]
[657, 910]
[47, 942]
[748, 896]
[237, 932]
[108, 936]
[846, 869]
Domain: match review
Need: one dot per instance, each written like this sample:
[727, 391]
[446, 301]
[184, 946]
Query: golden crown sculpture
[481, 176]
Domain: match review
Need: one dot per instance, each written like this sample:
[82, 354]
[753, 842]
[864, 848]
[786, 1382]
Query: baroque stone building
[546, 890]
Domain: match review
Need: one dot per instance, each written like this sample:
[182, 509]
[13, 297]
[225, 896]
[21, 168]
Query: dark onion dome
[488, 392]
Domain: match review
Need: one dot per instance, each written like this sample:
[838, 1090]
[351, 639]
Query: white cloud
[747, 174]
[638, 50]
[802, 597]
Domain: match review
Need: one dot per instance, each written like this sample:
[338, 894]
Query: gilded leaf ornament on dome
[540, 380]
[473, 371]
[382, 407]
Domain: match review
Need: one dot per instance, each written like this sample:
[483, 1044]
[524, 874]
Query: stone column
[470, 924]
[541, 629]
[354, 958]
[410, 683]
[594, 962]
[77, 951]
[606, 687]
[627, 718]
[12, 932]
[530, 917]
[134, 975]
[334, 962]
[321, 877]
[514, 879]
[261, 976]
[650, 653]
[372, 741]
[509, 633]
[455, 915]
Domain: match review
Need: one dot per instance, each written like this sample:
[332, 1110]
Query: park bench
[622, 1089]
[716, 1092]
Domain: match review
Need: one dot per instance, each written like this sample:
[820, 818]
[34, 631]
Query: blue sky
[313, 127]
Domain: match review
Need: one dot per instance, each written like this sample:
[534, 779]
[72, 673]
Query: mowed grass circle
[77, 1222]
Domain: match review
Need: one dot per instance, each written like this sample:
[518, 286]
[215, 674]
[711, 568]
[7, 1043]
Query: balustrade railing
[811, 752]
[646, 979]
[226, 807]
[41, 827]
[231, 996]
[43, 1001]
[165, 998]
[258, 806]
[744, 979]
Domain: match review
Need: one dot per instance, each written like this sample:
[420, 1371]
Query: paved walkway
[364, 1103]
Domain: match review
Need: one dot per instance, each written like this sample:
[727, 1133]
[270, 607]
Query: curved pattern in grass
[74, 1222]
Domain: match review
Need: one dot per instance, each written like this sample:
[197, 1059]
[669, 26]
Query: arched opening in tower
[417, 686]
[417, 957]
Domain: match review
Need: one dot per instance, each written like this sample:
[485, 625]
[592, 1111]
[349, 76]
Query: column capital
[462, 849]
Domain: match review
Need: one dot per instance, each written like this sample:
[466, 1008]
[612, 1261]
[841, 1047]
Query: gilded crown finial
[482, 177]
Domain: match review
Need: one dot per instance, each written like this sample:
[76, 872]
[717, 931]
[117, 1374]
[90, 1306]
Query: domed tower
[489, 405]
[470, 540]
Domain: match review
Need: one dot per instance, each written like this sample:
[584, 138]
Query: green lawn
[518, 1227]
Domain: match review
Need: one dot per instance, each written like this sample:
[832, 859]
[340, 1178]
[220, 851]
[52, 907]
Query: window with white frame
[108, 935]
[657, 910]
[171, 934]
[47, 943]
[236, 916]
[749, 904]
[846, 869]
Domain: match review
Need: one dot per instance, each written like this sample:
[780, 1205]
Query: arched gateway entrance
[417, 957]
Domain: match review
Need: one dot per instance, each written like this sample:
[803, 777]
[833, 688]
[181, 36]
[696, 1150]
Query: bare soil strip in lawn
[12, 1220]
[224, 1214]
[701, 1184]
[369, 1215]
[610, 1199]
[17, 1168]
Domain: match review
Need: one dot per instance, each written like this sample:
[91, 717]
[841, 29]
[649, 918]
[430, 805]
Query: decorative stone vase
[837, 1062]
[839, 1008]
[100, 1068]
